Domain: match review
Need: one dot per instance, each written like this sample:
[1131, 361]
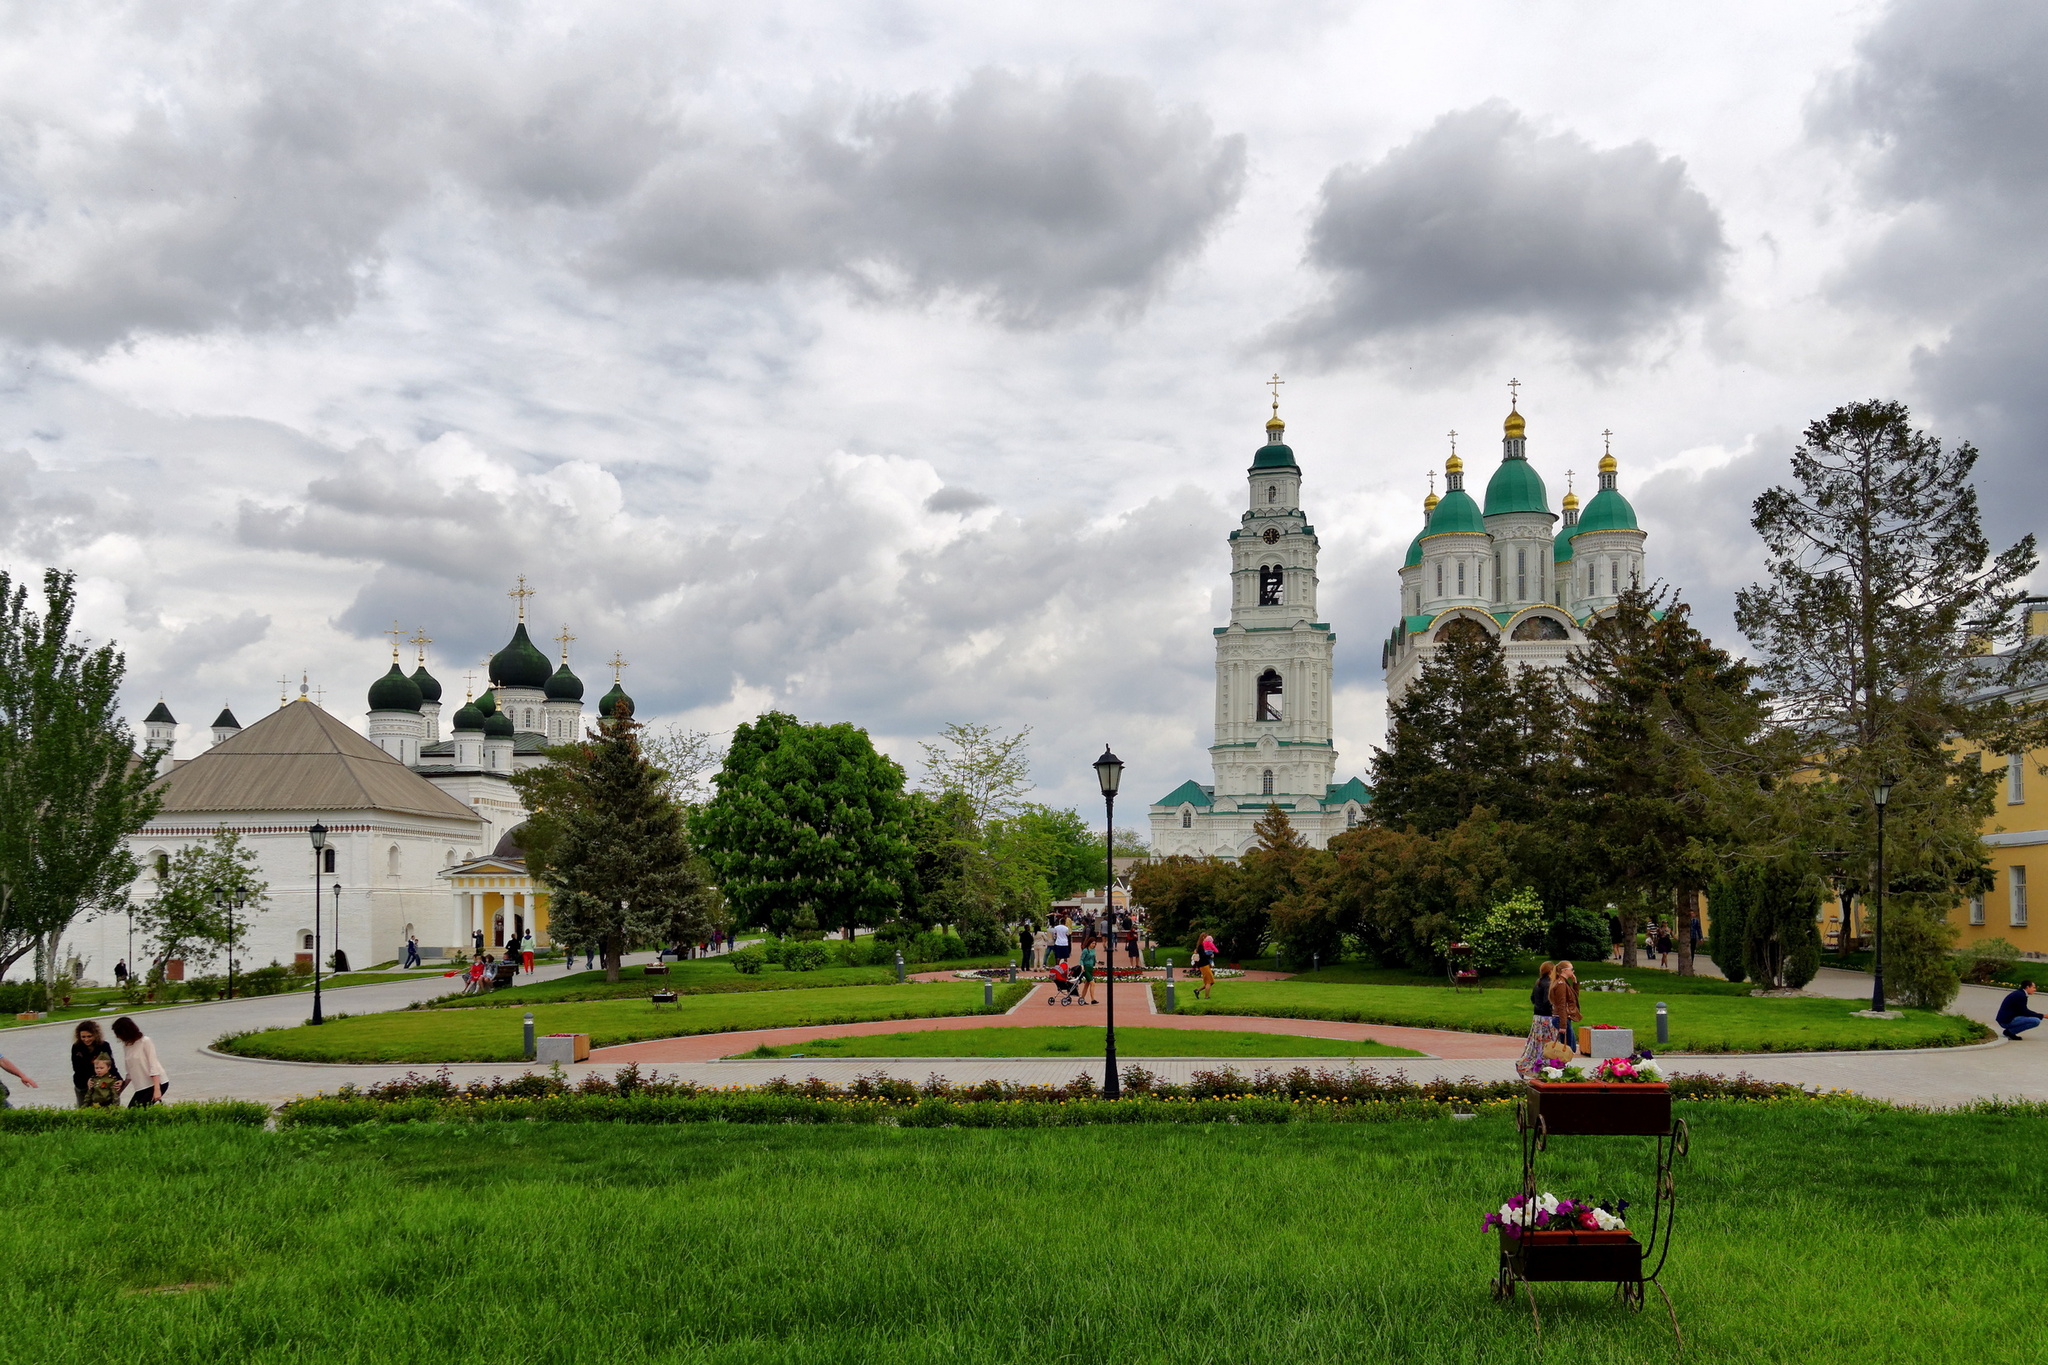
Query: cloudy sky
[899, 362]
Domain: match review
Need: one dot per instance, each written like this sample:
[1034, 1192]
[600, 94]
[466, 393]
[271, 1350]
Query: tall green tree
[1878, 631]
[809, 828]
[71, 787]
[1469, 733]
[1399, 893]
[621, 870]
[1671, 750]
[185, 917]
[990, 769]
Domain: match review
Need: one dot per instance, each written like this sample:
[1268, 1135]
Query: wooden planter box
[1556, 1256]
[1601, 1108]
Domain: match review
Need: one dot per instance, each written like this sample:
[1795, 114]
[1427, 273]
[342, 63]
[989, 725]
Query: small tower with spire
[225, 726]
[1518, 519]
[1607, 544]
[563, 710]
[394, 722]
[430, 689]
[160, 729]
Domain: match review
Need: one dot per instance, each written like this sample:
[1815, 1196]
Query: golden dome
[1607, 464]
[1571, 502]
[1454, 465]
[1273, 423]
[1429, 503]
[1514, 426]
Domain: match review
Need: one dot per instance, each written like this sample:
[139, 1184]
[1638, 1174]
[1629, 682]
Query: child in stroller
[1063, 979]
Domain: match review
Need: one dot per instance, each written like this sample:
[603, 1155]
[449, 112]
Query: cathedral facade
[1524, 575]
[1274, 665]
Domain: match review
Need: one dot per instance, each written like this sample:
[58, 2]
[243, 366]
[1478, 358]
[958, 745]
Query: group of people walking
[97, 1080]
[1555, 1016]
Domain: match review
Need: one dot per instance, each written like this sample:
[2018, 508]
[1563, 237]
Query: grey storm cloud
[1483, 216]
[1946, 115]
[1038, 198]
[251, 167]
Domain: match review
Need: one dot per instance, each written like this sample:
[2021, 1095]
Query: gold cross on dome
[1569, 475]
[1274, 384]
[469, 685]
[564, 640]
[284, 687]
[396, 632]
[1515, 394]
[1432, 483]
[616, 662]
[320, 697]
[520, 594]
[1454, 440]
[1606, 443]
[420, 640]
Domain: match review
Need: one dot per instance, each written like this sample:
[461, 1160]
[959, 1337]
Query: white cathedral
[1508, 569]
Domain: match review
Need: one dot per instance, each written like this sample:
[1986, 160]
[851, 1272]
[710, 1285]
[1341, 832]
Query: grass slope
[494, 1035]
[1079, 1040]
[1699, 1023]
[732, 1245]
[701, 976]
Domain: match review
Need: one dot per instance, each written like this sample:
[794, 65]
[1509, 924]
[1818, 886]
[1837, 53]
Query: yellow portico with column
[495, 894]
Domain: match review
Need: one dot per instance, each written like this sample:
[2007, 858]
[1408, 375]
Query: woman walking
[1205, 955]
[1564, 1001]
[87, 1042]
[1088, 971]
[1542, 1025]
[145, 1074]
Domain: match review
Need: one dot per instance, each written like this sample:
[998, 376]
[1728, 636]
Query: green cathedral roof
[1515, 487]
[1456, 513]
[1608, 511]
[564, 685]
[394, 691]
[520, 663]
[1190, 792]
[1275, 456]
[1415, 548]
[1561, 548]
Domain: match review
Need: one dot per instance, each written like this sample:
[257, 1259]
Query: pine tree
[1875, 632]
[809, 826]
[1780, 933]
[621, 871]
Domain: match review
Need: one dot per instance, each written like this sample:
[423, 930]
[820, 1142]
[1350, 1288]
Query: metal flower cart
[1595, 1109]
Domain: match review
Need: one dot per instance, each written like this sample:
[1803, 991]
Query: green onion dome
[468, 717]
[498, 725]
[519, 663]
[1275, 453]
[1515, 487]
[394, 692]
[1608, 511]
[486, 703]
[1561, 548]
[428, 684]
[564, 685]
[615, 703]
[1456, 513]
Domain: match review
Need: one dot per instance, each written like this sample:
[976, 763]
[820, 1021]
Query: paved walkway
[1941, 1076]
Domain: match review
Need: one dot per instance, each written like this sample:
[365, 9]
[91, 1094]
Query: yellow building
[495, 895]
[2016, 841]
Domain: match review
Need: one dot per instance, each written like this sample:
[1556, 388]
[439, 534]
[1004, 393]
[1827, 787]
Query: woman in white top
[1062, 943]
[139, 1064]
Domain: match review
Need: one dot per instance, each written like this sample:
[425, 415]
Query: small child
[103, 1091]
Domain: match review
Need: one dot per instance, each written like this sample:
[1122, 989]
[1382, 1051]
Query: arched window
[1272, 492]
[393, 860]
[1187, 818]
[1271, 585]
[305, 941]
[1614, 576]
[1266, 783]
[162, 861]
[1521, 574]
[1539, 628]
[1439, 578]
[1269, 696]
[327, 860]
[1351, 817]
[1461, 578]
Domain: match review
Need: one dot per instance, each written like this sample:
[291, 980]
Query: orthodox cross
[1606, 443]
[1432, 483]
[1515, 394]
[1454, 440]
[320, 697]
[563, 640]
[1568, 476]
[284, 685]
[1274, 384]
[396, 632]
[420, 640]
[469, 685]
[521, 593]
[616, 663]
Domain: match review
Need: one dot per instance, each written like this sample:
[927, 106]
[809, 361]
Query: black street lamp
[228, 903]
[1109, 771]
[1882, 796]
[318, 834]
[339, 956]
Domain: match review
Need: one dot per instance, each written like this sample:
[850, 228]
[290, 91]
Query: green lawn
[1648, 980]
[1807, 1234]
[494, 1035]
[1078, 1040]
[1699, 1023]
[698, 976]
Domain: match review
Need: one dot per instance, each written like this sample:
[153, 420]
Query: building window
[1614, 577]
[1521, 574]
[2018, 879]
[1351, 817]
[1187, 818]
[1976, 909]
[1266, 788]
[1269, 696]
[394, 861]
[305, 943]
[327, 860]
[1271, 580]
[1461, 578]
[1439, 578]
[1496, 575]
[1272, 492]
[2015, 779]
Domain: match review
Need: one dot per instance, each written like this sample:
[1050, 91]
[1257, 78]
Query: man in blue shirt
[2013, 1015]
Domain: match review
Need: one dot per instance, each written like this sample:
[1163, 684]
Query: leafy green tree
[1877, 631]
[621, 871]
[686, 760]
[1278, 876]
[1399, 892]
[185, 915]
[1468, 733]
[70, 785]
[989, 768]
[1184, 898]
[809, 824]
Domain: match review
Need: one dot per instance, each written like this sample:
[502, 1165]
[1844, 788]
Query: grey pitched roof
[525, 742]
[299, 758]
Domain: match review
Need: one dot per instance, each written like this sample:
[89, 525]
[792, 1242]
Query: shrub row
[243, 1112]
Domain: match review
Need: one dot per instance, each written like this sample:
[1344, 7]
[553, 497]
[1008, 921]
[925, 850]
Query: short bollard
[1663, 1023]
[529, 1035]
[1170, 1006]
[988, 993]
[899, 966]
[1013, 971]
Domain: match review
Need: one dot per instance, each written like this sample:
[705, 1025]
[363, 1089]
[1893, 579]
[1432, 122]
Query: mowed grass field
[708, 975]
[1079, 1041]
[496, 1035]
[1806, 1234]
[1707, 1022]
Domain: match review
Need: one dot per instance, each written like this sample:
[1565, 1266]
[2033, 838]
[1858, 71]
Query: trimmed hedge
[244, 1112]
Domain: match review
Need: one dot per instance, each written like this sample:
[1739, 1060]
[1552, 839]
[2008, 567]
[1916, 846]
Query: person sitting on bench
[2014, 1018]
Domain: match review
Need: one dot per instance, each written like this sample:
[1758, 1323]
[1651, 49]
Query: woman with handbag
[145, 1073]
[1564, 1001]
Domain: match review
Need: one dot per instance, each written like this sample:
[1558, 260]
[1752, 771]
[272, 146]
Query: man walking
[412, 950]
[526, 952]
[2014, 1018]
[1025, 938]
[477, 936]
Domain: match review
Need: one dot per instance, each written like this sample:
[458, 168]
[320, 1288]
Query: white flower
[1606, 1221]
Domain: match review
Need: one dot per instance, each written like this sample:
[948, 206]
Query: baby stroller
[1064, 979]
